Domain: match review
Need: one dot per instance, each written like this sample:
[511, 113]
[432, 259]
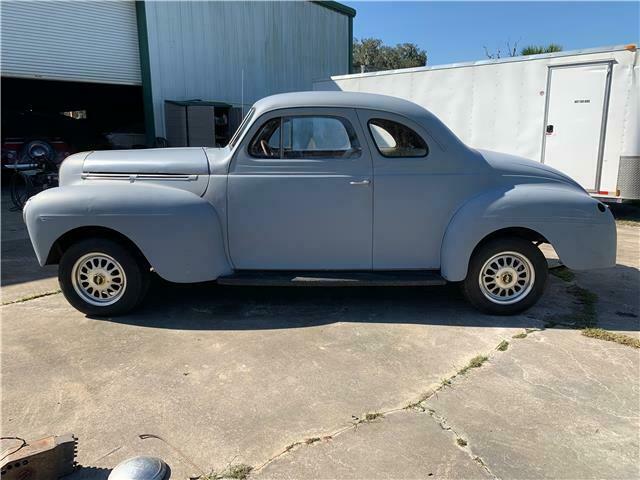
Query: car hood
[163, 161]
[512, 165]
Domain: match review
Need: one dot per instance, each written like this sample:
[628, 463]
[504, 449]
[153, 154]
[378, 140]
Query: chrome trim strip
[132, 177]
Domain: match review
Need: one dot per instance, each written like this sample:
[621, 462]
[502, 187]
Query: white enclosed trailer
[576, 111]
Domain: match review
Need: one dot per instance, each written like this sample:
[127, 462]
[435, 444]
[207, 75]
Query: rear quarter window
[395, 140]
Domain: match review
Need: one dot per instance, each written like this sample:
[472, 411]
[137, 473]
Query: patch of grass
[629, 223]
[620, 338]
[475, 362]
[584, 314]
[461, 442]
[627, 213]
[311, 440]
[563, 273]
[520, 335]
[502, 346]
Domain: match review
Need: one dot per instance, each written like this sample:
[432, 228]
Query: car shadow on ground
[209, 306]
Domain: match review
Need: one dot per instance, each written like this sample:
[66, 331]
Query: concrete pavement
[238, 375]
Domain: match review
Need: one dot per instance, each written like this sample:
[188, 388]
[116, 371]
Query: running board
[334, 279]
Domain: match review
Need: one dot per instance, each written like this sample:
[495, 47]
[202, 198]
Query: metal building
[119, 61]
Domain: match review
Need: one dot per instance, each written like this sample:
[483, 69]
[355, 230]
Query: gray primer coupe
[316, 188]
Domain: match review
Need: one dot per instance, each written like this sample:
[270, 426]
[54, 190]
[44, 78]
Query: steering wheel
[265, 148]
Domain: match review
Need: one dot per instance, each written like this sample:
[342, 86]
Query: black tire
[475, 293]
[134, 286]
[38, 151]
[21, 189]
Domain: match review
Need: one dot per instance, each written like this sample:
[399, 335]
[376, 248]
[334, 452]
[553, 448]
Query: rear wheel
[101, 277]
[506, 276]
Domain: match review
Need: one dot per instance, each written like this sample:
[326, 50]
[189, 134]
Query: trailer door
[576, 120]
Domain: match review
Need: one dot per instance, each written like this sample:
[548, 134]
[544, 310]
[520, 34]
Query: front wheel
[101, 277]
[506, 276]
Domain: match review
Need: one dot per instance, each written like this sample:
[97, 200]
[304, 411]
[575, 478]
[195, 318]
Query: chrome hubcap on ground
[99, 279]
[506, 278]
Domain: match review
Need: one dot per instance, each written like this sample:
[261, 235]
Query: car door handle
[360, 182]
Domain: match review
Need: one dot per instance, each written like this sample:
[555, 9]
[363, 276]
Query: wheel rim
[506, 278]
[99, 279]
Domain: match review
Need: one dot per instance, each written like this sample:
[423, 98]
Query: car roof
[385, 103]
[340, 99]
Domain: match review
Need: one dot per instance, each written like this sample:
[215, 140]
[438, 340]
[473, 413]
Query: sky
[457, 31]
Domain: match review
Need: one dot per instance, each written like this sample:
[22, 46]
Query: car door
[300, 193]
[418, 187]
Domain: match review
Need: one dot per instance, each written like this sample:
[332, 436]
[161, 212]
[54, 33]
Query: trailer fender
[178, 232]
[581, 230]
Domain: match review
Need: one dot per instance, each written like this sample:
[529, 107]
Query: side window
[396, 140]
[266, 143]
[318, 137]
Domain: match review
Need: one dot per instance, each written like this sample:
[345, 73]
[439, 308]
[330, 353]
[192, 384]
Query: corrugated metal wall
[198, 50]
[84, 41]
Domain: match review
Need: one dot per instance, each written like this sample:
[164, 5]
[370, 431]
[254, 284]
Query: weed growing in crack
[502, 346]
[291, 446]
[369, 417]
[461, 442]
[33, 297]
[475, 362]
[238, 471]
[520, 335]
[311, 440]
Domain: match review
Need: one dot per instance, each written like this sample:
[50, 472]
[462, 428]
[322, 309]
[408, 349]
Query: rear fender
[179, 233]
[583, 236]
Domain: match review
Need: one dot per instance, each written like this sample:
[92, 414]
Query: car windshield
[241, 128]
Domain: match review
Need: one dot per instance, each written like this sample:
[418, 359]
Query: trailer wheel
[101, 277]
[506, 276]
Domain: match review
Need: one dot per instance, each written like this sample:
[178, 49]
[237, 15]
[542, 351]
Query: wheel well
[82, 233]
[521, 232]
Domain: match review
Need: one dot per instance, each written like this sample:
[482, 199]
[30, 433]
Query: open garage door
[71, 40]
[68, 117]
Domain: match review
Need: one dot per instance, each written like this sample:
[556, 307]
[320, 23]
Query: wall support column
[145, 72]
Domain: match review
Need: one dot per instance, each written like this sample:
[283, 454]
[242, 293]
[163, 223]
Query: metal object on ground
[140, 468]
[46, 459]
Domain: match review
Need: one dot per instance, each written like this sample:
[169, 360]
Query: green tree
[371, 55]
[538, 49]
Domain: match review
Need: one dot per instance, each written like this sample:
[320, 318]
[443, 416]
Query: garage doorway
[70, 116]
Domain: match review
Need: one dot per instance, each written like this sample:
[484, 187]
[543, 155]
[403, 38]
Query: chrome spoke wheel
[99, 279]
[506, 278]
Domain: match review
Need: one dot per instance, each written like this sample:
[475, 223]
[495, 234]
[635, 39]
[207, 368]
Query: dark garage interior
[69, 116]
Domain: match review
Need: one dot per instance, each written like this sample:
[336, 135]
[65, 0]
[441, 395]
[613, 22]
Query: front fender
[179, 233]
[583, 236]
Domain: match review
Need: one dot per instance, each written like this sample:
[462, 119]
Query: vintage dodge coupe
[316, 188]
